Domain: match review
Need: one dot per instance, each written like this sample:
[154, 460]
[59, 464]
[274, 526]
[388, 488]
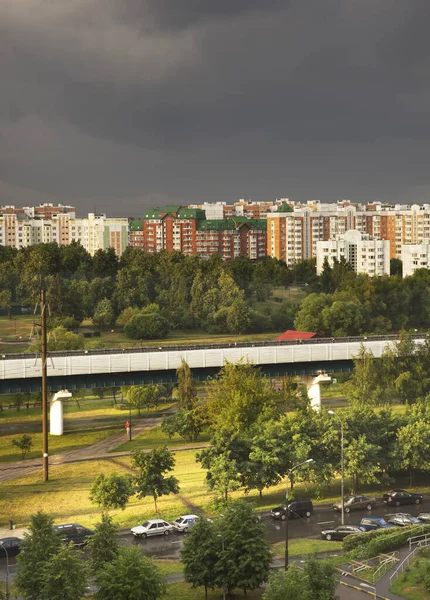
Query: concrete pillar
[56, 422]
[313, 388]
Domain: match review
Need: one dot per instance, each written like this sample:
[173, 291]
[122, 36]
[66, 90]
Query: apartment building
[415, 256]
[187, 230]
[45, 224]
[294, 230]
[365, 255]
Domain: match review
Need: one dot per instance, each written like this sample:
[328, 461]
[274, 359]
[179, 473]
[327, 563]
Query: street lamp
[222, 547]
[309, 460]
[7, 570]
[331, 412]
[371, 587]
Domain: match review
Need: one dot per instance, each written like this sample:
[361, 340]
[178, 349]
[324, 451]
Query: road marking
[324, 522]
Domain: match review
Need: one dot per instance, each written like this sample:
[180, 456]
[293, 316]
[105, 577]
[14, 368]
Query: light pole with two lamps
[331, 412]
[7, 570]
[309, 460]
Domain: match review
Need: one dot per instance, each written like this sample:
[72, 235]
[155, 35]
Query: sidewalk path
[99, 451]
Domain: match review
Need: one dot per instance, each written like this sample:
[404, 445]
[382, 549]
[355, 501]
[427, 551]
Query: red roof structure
[292, 334]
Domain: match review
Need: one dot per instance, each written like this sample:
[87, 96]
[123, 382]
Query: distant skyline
[121, 105]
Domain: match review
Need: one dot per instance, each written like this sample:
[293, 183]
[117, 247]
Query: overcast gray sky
[123, 104]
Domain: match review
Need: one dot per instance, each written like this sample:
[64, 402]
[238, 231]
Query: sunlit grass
[154, 438]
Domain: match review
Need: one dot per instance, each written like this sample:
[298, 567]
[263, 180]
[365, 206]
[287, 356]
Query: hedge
[371, 543]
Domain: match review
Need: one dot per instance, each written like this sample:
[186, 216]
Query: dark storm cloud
[192, 100]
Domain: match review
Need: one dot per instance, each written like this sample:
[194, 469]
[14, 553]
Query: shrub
[372, 543]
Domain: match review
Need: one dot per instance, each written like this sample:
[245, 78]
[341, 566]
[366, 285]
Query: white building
[415, 256]
[365, 255]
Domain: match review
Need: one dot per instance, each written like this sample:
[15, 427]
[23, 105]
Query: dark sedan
[403, 520]
[356, 503]
[340, 532]
[10, 545]
[398, 497]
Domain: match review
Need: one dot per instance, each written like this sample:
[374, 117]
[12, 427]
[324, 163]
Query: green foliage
[64, 576]
[104, 315]
[320, 580]
[286, 585]
[147, 324]
[113, 491]
[152, 467]
[69, 323]
[364, 387]
[103, 544]
[39, 546]
[199, 554]
[130, 576]
[60, 339]
[370, 543]
[24, 443]
[189, 424]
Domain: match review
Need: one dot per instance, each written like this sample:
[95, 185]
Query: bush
[372, 543]
[147, 324]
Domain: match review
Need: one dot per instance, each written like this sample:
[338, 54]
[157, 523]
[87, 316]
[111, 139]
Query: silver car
[155, 527]
[184, 522]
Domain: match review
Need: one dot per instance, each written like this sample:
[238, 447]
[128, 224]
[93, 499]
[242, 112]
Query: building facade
[365, 255]
[414, 257]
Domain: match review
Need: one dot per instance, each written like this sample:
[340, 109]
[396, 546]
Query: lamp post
[222, 547]
[371, 587]
[309, 460]
[7, 571]
[342, 500]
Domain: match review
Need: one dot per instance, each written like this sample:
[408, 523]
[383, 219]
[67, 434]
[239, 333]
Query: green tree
[147, 324]
[65, 575]
[413, 447]
[103, 544]
[104, 315]
[186, 388]
[105, 262]
[310, 315]
[130, 576]
[364, 387]
[199, 555]
[24, 443]
[5, 301]
[396, 267]
[38, 547]
[320, 580]
[60, 339]
[139, 395]
[152, 467]
[113, 491]
[189, 424]
[244, 561]
[286, 585]
[361, 461]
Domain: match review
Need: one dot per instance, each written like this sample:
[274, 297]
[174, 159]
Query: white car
[155, 527]
[184, 522]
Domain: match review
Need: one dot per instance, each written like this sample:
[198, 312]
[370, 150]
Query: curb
[360, 589]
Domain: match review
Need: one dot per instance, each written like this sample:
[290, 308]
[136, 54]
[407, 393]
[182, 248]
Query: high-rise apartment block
[295, 229]
[21, 227]
[365, 255]
[187, 230]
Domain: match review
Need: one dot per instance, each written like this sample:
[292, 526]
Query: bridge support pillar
[313, 388]
[56, 420]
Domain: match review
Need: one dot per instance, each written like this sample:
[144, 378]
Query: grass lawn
[154, 438]
[19, 326]
[305, 546]
[169, 567]
[184, 591]
[410, 583]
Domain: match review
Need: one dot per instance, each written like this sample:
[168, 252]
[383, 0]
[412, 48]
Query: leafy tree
[199, 554]
[139, 395]
[413, 447]
[104, 315]
[151, 479]
[38, 547]
[105, 262]
[320, 580]
[24, 443]
[396, 267]
[103, 544]
[364, 386]
[187, 423]
[186, 388]
[113, 491]
[64, 575]
[310, 315]
[130, 576]
[60, 339]
[222, 475]
[5, 301]
[244, 562]
[286, 585]
[126, 315]
[361, 461]
[74, 258]
[147, 324]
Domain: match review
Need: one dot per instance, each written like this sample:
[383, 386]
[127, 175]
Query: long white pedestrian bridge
[152, 364]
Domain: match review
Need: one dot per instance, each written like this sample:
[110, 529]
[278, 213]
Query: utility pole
[43, 309]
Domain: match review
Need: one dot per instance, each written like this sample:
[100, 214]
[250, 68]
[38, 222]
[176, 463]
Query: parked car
[10, 545]
[72, 532]
[398, 497]
[341, 531]
[371, 523]
[424, 517]
[154, 527]
[403, 519]
[356, 503]
[296, 508]
[184, 522]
